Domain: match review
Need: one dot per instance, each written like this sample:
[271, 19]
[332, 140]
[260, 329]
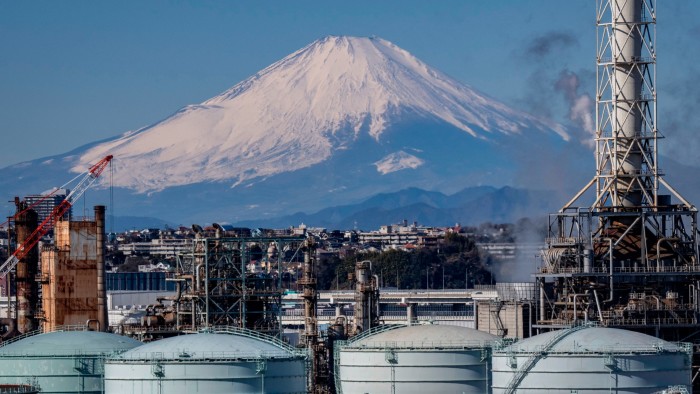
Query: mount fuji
[336, 122]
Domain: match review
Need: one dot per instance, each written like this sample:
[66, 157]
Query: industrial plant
[613, 307]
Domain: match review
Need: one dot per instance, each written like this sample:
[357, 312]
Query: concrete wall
[514, 318]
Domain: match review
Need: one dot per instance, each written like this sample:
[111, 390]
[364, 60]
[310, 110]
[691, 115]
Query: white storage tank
[60, 361]
[221, 360]
[423, 359]
[589, 359]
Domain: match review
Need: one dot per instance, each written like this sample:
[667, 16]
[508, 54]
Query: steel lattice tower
[626, 135]
[629, 259]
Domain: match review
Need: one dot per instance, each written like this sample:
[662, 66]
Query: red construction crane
[87, 180]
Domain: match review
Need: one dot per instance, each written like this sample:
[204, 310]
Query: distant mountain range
[333, 128]
[472, 205]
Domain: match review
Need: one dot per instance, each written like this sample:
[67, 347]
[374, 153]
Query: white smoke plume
[581, 105]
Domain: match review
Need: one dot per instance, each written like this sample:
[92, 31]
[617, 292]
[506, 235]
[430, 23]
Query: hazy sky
[75, 72]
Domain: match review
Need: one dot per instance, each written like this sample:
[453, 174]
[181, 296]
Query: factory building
[72, 275]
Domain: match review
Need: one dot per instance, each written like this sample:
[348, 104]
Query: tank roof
[68, 343]
[209, 345]
[594, 340]
[428, 336]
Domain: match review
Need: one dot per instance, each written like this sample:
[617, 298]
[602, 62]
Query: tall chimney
[27, 289]
[101, 290]
[628, 83]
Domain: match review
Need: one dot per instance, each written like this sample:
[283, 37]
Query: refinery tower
[628, 258]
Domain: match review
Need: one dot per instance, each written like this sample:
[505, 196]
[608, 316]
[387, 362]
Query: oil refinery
[612, 308]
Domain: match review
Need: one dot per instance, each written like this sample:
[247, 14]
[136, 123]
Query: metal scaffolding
[216, 285]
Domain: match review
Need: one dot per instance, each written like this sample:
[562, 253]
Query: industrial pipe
[89, 322]
[610, 272]
[575, 314]
[10, 327]
[597, 303]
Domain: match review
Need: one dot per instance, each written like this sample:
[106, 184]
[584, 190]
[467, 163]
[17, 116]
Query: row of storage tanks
[391, 359]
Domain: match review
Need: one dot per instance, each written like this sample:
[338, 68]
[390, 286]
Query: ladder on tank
[536, 356]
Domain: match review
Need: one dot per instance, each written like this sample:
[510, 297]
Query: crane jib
[22, 250]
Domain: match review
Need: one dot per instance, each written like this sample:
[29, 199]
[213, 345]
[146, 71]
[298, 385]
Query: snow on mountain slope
[297, 112]
[398, 161]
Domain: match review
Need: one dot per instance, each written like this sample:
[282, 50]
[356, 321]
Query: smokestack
[627, 78]
[27, 289]
[101, 290]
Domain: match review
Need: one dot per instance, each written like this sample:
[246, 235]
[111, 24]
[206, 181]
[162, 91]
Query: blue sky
[76, 72]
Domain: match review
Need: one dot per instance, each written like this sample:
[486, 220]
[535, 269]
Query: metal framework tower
[310, 296]
[626, 135]
[366, 297]
[629, 259]
[217, 287]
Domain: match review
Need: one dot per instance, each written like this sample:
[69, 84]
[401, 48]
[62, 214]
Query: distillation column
[310, 295]
[366, 297]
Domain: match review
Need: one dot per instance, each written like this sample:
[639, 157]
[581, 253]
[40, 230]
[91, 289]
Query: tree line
[455, 264]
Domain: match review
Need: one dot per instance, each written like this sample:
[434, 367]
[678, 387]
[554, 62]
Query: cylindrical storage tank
[422, 359]
[61, 361]
[221, 360]
[589, 359]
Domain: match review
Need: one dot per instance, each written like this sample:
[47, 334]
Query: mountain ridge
[335, 89]
[470, 206]
[178, 169]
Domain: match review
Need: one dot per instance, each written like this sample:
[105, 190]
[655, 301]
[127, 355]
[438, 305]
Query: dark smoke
[551, 80]
[550, 43]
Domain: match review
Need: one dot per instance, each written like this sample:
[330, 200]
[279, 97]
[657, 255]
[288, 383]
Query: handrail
[427, 344]
[374, 330]
[620, 270]
[232, 330]
[534, 357]
[74, 327]
[285, 351]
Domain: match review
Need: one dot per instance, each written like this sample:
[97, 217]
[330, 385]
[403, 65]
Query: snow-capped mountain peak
[299, 111]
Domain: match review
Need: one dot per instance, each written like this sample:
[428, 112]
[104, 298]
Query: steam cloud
[545, 88]
[580, 104]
